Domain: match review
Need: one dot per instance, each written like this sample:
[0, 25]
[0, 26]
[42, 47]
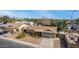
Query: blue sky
[61, 14]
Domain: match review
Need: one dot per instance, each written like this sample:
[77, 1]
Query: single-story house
[45, 21]
[44, 31]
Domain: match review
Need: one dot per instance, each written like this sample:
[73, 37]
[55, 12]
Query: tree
[77, 20]
[53, 22]
[59, 23]
[64, 23]
[5, 18]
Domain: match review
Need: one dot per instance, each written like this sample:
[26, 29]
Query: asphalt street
[8, 43]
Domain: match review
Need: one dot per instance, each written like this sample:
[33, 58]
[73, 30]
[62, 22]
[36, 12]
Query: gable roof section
[43, 28]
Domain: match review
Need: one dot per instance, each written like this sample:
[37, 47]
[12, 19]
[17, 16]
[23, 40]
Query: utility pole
[72, 22]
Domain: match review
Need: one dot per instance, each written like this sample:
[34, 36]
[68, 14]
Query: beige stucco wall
[23, 26]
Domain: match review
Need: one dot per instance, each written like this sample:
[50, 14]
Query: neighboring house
[44, 31]
[22, 27]
[45, 21]
[15, 26]
[71, 22]
[68, 22]
[25, 22]
[72, 27]
[1, 22]
[68, 27]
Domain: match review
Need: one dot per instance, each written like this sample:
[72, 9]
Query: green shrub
[2, 27]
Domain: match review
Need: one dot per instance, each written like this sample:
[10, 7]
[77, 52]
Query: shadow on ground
[63, 41]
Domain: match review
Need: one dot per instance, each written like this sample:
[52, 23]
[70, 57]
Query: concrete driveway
[47, 42]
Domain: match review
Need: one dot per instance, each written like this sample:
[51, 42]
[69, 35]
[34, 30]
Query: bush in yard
[21, 35]
[2, 27]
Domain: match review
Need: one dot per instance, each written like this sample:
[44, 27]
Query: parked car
[3, 32]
